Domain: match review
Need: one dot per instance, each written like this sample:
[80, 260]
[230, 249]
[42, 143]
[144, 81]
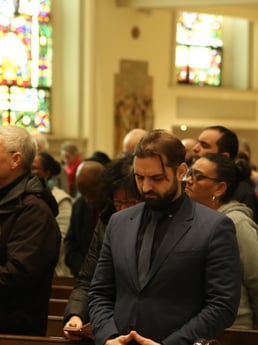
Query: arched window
[199, 49]
[25, 63]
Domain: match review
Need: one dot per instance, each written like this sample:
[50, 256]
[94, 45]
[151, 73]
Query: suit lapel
[178, 228]
[133, 225]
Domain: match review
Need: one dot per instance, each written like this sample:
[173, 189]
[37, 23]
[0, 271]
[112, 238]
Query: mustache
[149, 194]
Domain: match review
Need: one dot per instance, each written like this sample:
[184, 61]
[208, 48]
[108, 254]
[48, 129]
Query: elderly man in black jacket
[29, 237]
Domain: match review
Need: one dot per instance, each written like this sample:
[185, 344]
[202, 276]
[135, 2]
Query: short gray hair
[18, 139]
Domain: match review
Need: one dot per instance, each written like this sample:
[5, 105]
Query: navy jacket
[193, 288]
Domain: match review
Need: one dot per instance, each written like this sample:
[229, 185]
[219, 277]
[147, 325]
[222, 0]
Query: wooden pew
[56, 309]
[235, 336]
[55, 326]
[230, 337]
[62, 287]
[60, 292]
[6, 339]
[56, 306]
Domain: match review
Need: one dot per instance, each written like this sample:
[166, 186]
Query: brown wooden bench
[56, 306]
[55, 326]
[235, 336]
[56, 309]
[58, 280]
[60, 292]
[6, 339]
[230, 337]
[62, 287]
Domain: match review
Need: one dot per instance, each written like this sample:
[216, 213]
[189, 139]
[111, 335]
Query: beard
[159, 202]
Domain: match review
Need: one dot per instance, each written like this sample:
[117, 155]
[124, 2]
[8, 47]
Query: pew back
[233, 336]
[6, 339]
[60, 292]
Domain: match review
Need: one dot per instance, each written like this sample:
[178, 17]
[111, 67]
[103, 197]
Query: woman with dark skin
[46, 167]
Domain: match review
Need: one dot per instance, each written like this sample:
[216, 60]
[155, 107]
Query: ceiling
[247, 9]
[182, 3]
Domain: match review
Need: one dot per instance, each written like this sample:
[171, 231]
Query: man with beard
[191, 289]
[219, 139]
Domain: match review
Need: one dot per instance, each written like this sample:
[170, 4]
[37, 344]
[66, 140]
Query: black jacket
[79, 234]
[29, 249]
[78, 300]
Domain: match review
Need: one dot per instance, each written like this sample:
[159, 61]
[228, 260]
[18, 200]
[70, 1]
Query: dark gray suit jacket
[193, 289]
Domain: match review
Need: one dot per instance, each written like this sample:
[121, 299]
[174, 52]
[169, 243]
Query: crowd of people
[161, 240]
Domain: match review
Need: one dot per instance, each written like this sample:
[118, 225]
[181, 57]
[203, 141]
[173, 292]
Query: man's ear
[181, 171]
[17, 159]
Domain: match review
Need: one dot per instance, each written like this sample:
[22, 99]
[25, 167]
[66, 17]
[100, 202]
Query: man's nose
[146, 186]
[196, 148]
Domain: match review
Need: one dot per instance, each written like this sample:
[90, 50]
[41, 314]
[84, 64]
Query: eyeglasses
[198, 176]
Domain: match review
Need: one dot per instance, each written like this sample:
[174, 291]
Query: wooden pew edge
[241, 330]
[32, 337]
[28, 339]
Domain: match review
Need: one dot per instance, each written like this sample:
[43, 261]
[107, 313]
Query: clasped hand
[133, 335]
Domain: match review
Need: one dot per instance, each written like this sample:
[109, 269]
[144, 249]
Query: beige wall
[92, 36]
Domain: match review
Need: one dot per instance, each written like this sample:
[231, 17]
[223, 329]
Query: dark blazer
[78, 299]
[193, 289]
[79, 234]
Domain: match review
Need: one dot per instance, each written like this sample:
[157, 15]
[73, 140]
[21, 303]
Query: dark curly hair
[50, 164]
[118, 175]
[229, 171]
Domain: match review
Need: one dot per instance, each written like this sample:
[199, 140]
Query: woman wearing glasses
[212, 181]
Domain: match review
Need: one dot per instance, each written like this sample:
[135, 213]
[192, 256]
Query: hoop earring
[213, 198]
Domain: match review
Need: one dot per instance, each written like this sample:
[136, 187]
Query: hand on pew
[75, 330]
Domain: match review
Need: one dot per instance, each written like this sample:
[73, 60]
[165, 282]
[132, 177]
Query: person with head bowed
[169, 268]
[121, 193]
[85, 213]
[46, 167]
[71, 159]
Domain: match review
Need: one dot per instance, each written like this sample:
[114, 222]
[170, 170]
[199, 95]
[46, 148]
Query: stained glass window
[199, 49]
[25, 63]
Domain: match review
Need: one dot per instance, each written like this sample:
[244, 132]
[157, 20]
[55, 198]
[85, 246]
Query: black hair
[50, 164]
[230, 172]
[228, 142]
[118, 175]
[99, 156]
[160, 142]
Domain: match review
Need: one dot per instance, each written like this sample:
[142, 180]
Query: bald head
[41, 140]
[132, 138]
[89, 182]
[189, 144]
